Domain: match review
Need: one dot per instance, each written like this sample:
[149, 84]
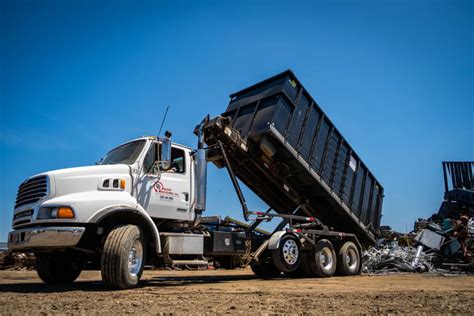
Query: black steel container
[296, 155]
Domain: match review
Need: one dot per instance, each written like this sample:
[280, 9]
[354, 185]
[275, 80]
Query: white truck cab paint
[127, 179]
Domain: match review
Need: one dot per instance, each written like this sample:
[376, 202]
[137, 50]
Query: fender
[100, 215]
[275, 239]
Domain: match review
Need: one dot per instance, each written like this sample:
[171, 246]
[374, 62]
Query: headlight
[63, 212]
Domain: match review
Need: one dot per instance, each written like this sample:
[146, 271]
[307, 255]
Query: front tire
[123, 257]
[56, 268]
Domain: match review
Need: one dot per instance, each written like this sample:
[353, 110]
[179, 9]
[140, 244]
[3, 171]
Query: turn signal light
[65, 212]
[122, 184]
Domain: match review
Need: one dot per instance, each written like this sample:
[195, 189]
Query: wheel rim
[135, 258]
[326, 258]
[290, 252]
[351, 259]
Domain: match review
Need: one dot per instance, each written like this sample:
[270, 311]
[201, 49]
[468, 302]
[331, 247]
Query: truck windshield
[125, 154]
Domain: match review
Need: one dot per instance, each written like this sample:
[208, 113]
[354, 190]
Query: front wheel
[123, 257]
[56, 268]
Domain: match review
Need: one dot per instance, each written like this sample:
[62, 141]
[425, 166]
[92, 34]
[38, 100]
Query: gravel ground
[238, 291]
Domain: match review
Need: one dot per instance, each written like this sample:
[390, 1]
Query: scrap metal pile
[444, 242]
[395, 258]
[429, 248]
[16, 260]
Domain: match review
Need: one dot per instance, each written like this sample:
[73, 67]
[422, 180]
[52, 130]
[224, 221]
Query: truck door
[167, 193]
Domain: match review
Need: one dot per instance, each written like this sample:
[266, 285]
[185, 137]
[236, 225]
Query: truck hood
[90, 170]
[81, 179]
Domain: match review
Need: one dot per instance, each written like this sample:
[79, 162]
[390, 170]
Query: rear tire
[123, 257]
[56, 268]
[348, 259]
[266, 270]
[304, 269]
[288, 254]
[305, 265]
[323, 259]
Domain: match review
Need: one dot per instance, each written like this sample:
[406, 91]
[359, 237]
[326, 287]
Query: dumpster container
[296, 156]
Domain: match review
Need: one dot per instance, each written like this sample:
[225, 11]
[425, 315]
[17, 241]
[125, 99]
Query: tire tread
[112, 256]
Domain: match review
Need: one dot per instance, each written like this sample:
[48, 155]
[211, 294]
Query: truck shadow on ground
[98, 286]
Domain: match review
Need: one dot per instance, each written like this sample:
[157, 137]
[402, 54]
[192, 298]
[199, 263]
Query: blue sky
[79, 77]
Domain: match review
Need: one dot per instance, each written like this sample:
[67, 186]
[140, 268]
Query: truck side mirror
[165, 155]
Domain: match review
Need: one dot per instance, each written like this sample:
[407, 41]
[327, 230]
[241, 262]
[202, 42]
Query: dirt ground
[223, 291]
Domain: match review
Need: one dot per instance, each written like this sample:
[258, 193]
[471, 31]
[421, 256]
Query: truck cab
[68, 213]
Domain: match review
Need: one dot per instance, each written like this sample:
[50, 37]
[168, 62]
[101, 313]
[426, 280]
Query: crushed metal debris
[16, 260]
[438, 246]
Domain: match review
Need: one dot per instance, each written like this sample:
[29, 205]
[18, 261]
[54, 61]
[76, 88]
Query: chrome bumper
[44, 237]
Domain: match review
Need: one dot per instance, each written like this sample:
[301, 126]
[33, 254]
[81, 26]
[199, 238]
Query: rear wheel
[123, 257]
[288, 254]
[323, 259]
[348, 259]
[305, 265]
[266, 270]
[304, 269]
[56, 268]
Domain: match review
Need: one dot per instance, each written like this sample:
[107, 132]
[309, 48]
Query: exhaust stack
[201, 169]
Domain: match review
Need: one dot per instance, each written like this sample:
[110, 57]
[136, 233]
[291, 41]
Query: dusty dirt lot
[239, 292]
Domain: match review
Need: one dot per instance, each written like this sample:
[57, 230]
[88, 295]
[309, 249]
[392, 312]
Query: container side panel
[244, 118]
[290, 88]
[365, 202]
[319, 147]
[331, 149]
[355, 206]
[231, 115]
[281, 115]
[259, 92]
[339, 169]
[349, 182]
[264, 115]
[297, 120]
[375, 195]
[308, 134]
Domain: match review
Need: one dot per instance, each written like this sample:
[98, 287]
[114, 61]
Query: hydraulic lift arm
[240, 195]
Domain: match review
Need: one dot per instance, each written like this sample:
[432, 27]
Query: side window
[150, 159]
[177, 160]
[178, 164]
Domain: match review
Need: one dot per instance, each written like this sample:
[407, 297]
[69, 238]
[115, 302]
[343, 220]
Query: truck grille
[32, 190]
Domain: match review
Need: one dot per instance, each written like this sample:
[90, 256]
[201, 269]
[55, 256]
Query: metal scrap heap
[395, 258]
[434, 249]
[16, 260]
[443, 242]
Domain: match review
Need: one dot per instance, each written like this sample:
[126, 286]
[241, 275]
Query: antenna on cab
[163, 121]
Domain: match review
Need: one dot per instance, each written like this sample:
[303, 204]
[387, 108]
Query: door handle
[186, 196]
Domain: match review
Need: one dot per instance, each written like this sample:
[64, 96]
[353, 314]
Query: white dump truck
[142, 204]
